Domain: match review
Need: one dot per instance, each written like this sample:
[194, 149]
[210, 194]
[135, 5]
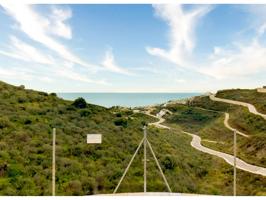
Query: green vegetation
[199, 118]
[26, 121]
[250, 96]
[80, 103]
[197, 172]
[190, 117]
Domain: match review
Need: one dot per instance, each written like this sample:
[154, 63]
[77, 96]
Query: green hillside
[258, 99]
[26, 121]
[252, 149]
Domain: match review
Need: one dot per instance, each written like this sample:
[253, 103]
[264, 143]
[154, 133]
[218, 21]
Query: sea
[126, 99]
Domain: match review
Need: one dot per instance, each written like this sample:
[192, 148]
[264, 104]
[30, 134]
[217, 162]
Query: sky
[133, 48]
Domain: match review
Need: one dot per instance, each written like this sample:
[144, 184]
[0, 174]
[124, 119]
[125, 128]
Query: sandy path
[250, 107]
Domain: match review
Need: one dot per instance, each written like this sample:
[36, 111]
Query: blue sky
[133, 48]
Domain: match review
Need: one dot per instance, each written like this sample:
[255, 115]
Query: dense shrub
[14, 170]
[21, 87]
[121, 122]
[74, 188]
[22, 99]
[118, 114]
[80, 103]
[3, 168]
[4, 122]
[169, 163]
[85, 113]
[27, 121]
[53, 94]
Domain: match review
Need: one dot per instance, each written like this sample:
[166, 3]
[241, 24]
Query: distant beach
[126, 99]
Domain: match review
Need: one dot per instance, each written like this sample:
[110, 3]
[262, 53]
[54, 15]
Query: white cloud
[70, 74]
[240, 60]
[257, 17]
[37, 27]
[180, 80]
[12, 55]
[262, 29]
[110, 64]
[243, 60]
[58, 25]
[182, 25]
[26, 52]
[48, 75]
[11, 72]
[41, 29]
[46, 79]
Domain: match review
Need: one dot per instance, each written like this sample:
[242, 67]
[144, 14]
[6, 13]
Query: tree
[80, 103]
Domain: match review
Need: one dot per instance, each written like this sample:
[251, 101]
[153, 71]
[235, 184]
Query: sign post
[234, 162]
[53, 175]
[94, 138]
[145, 160]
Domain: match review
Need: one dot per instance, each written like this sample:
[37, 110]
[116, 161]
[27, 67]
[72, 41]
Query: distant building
[264, 87]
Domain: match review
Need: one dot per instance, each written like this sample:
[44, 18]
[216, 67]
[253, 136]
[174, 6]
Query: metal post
[234, 162]
[145, 160]
[53, 170]
[120, 181]
[160, 169]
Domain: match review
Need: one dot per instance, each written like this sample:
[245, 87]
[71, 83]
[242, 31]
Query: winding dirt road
[250, 107]
[196, 143]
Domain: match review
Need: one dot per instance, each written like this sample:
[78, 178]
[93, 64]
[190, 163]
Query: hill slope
[27, 118]
[253, 97]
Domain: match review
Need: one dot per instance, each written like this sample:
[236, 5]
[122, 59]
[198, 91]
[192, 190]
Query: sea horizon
[127, 99]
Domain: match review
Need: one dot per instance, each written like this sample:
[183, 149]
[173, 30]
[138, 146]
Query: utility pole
[145, 160]
[234, 162]
[53, 170]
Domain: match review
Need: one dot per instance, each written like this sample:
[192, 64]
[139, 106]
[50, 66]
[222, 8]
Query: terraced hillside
[27, 118]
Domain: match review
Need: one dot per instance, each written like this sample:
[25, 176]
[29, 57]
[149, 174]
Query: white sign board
[94, 138]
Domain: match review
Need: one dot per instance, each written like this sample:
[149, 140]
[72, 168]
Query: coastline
[129, 100]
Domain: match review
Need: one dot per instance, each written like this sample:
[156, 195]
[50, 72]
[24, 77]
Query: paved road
[240, 164]
[159, 117]
[250, 107]
[226, 124]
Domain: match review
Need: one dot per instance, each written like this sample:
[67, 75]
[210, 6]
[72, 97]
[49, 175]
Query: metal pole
[128, 166]
[53, 175]
[145, 160]
[161, 171]
[234, 162]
